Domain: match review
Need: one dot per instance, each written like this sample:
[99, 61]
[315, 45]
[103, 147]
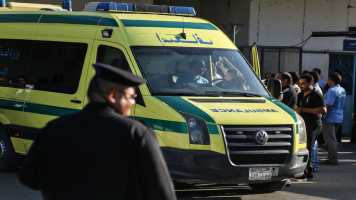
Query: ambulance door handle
[75, 101]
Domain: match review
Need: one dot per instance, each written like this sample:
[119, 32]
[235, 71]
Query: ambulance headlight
[198, 130]
[301, 130]
[195, 136]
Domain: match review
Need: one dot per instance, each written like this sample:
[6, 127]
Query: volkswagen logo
[261, 137]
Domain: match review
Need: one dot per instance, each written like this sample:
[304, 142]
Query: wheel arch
[9, 159]
[3, 120]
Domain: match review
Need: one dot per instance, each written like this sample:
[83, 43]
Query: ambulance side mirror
[274, 87]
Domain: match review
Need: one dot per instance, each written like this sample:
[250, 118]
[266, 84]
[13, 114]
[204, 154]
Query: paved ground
[330, 182]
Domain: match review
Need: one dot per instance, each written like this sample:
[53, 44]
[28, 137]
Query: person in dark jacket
[289, 93]
[311, 106]
[99, 153]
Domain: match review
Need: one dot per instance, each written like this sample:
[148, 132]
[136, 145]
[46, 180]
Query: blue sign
[349, 45]
[196, 40]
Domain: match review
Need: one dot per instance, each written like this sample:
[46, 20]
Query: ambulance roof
[139, 28]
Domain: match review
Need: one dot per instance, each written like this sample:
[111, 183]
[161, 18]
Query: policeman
[99, 153]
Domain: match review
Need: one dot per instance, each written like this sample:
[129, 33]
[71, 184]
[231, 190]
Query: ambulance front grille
[243, 149]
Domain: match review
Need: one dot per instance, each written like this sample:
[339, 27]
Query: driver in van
[196, 70]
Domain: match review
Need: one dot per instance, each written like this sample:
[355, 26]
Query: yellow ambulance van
[212, 127]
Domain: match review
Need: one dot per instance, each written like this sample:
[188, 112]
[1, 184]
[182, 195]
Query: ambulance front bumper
[210, 167]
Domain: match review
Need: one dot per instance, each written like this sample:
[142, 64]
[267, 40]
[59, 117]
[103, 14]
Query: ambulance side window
[112, 56]
[14, 59]
[57, 66]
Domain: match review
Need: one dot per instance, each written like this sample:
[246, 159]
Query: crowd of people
[320, 104]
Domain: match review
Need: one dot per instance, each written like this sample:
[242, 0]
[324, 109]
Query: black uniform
[312, 121]
[97, 154]
[289, 96]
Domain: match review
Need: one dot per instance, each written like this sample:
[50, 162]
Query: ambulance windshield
[185, 71]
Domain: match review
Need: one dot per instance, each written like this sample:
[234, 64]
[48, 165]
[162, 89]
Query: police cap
[116, 75]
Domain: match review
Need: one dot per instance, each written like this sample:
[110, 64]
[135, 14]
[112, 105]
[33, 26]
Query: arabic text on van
[12, 53]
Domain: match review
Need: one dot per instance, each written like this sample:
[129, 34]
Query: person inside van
[233, 80]
[56, 85]
[240, 83]
[23, 79]
[231, 74]
[196, 70]
[224, 64]
[216, 76]
[25, 83]
[3, 79]
[41, 82]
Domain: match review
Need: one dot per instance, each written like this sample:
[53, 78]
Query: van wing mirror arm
[274, 86]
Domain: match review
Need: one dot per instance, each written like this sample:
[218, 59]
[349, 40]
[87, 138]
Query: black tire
[268, 187]
[9, 159]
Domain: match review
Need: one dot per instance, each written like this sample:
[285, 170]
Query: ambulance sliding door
[111, 54]
[57, 75]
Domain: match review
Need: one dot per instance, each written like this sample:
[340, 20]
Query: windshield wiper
[214, 92]
[246, 94]
[178, 94]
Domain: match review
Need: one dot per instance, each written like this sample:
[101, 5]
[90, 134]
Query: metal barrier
[276, 59]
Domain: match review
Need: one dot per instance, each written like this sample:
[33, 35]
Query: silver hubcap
[2, 150]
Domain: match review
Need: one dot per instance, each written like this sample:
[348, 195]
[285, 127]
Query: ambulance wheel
[9, 159]
[268, 187]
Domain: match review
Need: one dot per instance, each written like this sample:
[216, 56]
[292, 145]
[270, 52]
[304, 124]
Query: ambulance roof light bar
[2, 3]
[67, 5]
[143, 8]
